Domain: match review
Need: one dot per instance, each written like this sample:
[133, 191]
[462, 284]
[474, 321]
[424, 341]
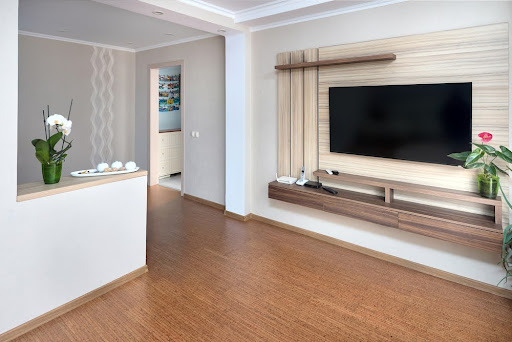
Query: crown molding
[273, 8]
[349, 9]
[210, 7]
[76, 41]
[114, 47]
[176, 42]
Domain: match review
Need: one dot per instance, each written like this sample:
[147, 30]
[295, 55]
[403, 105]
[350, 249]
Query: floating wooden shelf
[348, 60]
[390, 186]
[474, 230]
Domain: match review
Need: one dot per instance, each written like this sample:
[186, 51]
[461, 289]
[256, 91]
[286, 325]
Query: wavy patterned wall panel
[102, 99]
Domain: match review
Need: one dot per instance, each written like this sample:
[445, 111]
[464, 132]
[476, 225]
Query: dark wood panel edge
[170, 130]
[339, 61]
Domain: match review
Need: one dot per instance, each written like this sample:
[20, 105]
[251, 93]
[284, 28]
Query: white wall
[204, 108]
[52, 73]
[389, 21]
[48, 256]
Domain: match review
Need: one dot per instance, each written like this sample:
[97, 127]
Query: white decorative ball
[117, 165]
[130, 165]
[101, 167]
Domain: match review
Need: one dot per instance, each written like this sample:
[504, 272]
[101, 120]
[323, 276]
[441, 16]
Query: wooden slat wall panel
[478, 55]
[311, 114]
[283, 116]
[297, 115]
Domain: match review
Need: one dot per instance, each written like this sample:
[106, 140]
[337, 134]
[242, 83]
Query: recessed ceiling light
[129, 43]
[169, 34]
[62, 30]
[158, 12]
[221, 30]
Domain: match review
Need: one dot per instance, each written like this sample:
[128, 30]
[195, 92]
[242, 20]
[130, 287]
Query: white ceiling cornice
[114, 47]
[209, 7]
[76, 41]
[176, 42]
[273, 8]
[343, 10]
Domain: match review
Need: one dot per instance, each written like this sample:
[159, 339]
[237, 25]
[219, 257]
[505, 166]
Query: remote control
[329, 171]
[336, 172]
[332, 191]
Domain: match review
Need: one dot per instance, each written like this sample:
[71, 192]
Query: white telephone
[302, 179]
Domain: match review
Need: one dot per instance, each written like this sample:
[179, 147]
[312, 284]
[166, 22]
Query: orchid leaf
[474, 156]
[54, 139]
[42, 152]
[487, 149]
[35, 141]
[462, 156]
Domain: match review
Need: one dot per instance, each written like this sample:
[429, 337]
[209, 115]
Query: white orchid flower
[56, 120]
[66, 127]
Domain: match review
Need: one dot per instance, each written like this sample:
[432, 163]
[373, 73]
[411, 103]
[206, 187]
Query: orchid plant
[45, 148]
[484, 157]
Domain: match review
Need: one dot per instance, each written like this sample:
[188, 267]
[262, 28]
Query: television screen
[422, 122]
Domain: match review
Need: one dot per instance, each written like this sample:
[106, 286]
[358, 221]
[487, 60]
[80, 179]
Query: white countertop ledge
[30, 191]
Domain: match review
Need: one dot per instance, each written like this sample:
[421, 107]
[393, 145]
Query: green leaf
[504, 157]
[54, 139]
[42, 151]
[490, 169]
[487, 149]
[474, 165]
[462, 156]
[506, 152]
[499, 169]
[474, 156]
[35, 141]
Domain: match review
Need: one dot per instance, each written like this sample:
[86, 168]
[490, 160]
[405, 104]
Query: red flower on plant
[485, 136]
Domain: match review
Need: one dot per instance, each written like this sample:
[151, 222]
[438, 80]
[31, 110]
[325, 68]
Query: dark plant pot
[51, 172]
[487, 185]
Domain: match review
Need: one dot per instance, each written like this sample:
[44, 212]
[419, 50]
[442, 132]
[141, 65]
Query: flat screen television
[421, 122]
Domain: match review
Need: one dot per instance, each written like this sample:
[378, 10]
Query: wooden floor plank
[212, 278]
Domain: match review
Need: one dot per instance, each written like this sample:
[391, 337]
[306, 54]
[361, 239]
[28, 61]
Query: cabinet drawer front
[164, 139]
[165, 154]
[361, 211]
[447, 231]
[175, 152]
[175, 139]
[304, 199]
[165, 167]
[175, 165]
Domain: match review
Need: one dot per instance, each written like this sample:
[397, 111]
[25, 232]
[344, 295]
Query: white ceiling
[132, 24]
[90, 21]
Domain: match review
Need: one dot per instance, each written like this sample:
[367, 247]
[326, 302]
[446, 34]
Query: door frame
[154, 164]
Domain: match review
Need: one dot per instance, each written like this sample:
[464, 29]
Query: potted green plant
[50, 158]
[488, 181]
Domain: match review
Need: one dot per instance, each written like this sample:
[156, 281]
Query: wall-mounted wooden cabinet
[170, 153]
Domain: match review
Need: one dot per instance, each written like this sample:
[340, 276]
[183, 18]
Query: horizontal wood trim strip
[35, 190]
[205, 202]
[40, 320]
[498, 291]
[347, 60]
[237, 216]
[409, 187]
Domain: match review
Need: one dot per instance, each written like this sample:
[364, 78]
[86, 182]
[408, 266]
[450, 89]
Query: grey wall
[408, 18]
[54, 72]
[203, 91]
